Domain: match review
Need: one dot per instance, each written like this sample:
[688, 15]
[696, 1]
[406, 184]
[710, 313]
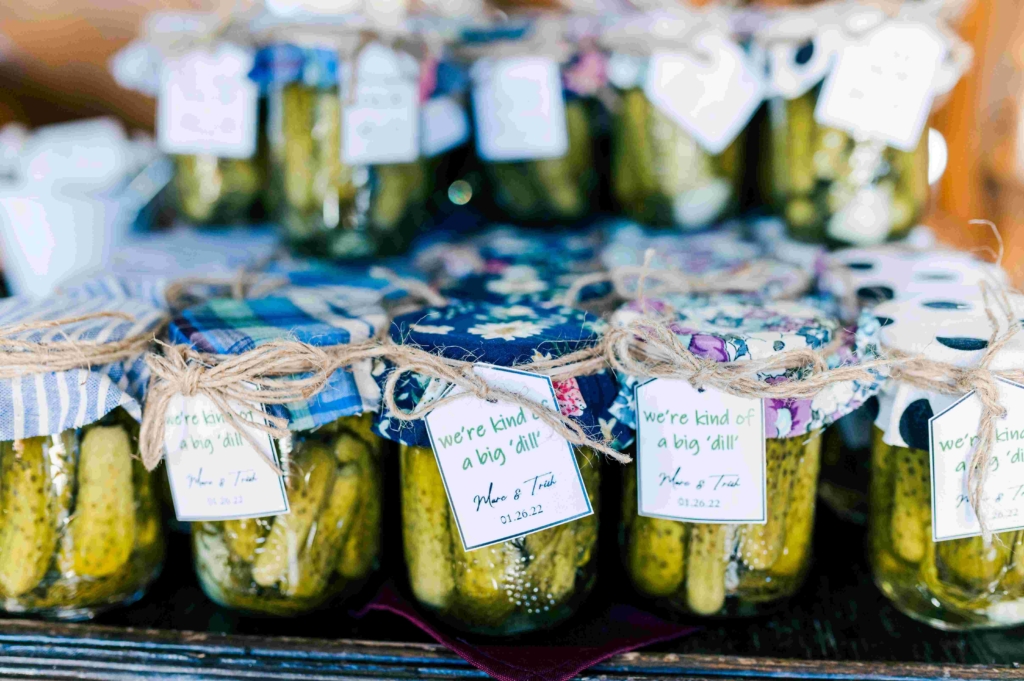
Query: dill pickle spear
[308, 485]
[362, 543]
[148, 530]
[394, 184]
[296, 117]
[482, 578]
[761, 545]
[910, 529]
[244, 536]
[426, 537]
[705, 569]
[971, 563]
[800, 515]
[101, 534]
[319, 553]
[28, 535]
[552, 564]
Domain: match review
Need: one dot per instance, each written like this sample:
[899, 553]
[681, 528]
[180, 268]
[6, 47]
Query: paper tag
[506, 472]
[519, 109]
[215, 474]
[700, 454]
[207, 104]
[952, 434]
[882, 87]
[381, 124]
[712, 95]
[445, 125]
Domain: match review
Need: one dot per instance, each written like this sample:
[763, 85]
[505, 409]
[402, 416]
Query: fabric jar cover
[507, 336]
[949, 325]
[719, 254]
[729, 331]
[509, 265]
[883, 273]
[226, 326]
[49, 403]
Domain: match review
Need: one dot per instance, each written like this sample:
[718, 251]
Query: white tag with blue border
[700, 454]
[214, 472]
[952, 436]
[506, 472]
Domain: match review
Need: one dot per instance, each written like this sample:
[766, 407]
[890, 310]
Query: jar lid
[733, 331]
[48, 403]
[723, 255]
[502, 335]
[226, 326]
[883, 273]
[951, 326]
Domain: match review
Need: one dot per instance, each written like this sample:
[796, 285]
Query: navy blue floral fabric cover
[502, 335]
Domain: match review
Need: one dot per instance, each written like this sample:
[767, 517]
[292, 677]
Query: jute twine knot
[948, 379]
[278, 373]
[409, 359]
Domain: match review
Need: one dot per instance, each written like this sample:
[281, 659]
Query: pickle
[483, 579]
[244, 536]
[28, 535]
[296, 117]
[911, 185]
[362, 543]
[761, 545]
[880, 497]
[585, 529]
[101, 534]
[148, 530]
[551, 575]
[656, 555]
[633, 177]
[801, 128]
[427, 540]
[974, 565]
[800, 514]
[319, 552]
[911, 510]
[308, 486]
[1013, 581]
[705, 569]
[394, 182]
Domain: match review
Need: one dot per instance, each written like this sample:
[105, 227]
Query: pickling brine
[532, 582]
[81, 528]
[324, 548]
[727, 570]
[956, 584]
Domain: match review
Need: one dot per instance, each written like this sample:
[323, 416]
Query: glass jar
[956, 584]
[209, 190]
[528, 583]
[729, 570]
[832, 188]
[551, 189]
[81, 525]
[661, 176]
[334, 210]
[325, 547]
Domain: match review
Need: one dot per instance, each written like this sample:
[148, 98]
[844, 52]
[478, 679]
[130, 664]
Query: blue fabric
[503, 335]
[322, 319]
[46, 404]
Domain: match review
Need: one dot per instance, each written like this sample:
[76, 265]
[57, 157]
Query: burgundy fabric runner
[618, 629]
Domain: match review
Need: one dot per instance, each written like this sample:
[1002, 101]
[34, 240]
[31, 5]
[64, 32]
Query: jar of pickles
[327, 544]
[81, 529]
[536, 121]
[834, 184]
[665, 173]
[527, 582]
[954, 584]
[723, 568]
[342, 197]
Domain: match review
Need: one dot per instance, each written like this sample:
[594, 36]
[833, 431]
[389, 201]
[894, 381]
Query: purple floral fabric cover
[732, 330]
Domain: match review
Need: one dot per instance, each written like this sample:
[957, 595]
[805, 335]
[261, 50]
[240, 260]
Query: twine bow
[276, 373]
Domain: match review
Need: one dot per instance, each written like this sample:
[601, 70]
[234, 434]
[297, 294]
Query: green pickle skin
[211, 190]
[80, 524]
[958, 584]
[718, 570]
[660, 174]
[324, 548]
[808, 167]
[332, 210]
[524, 584]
